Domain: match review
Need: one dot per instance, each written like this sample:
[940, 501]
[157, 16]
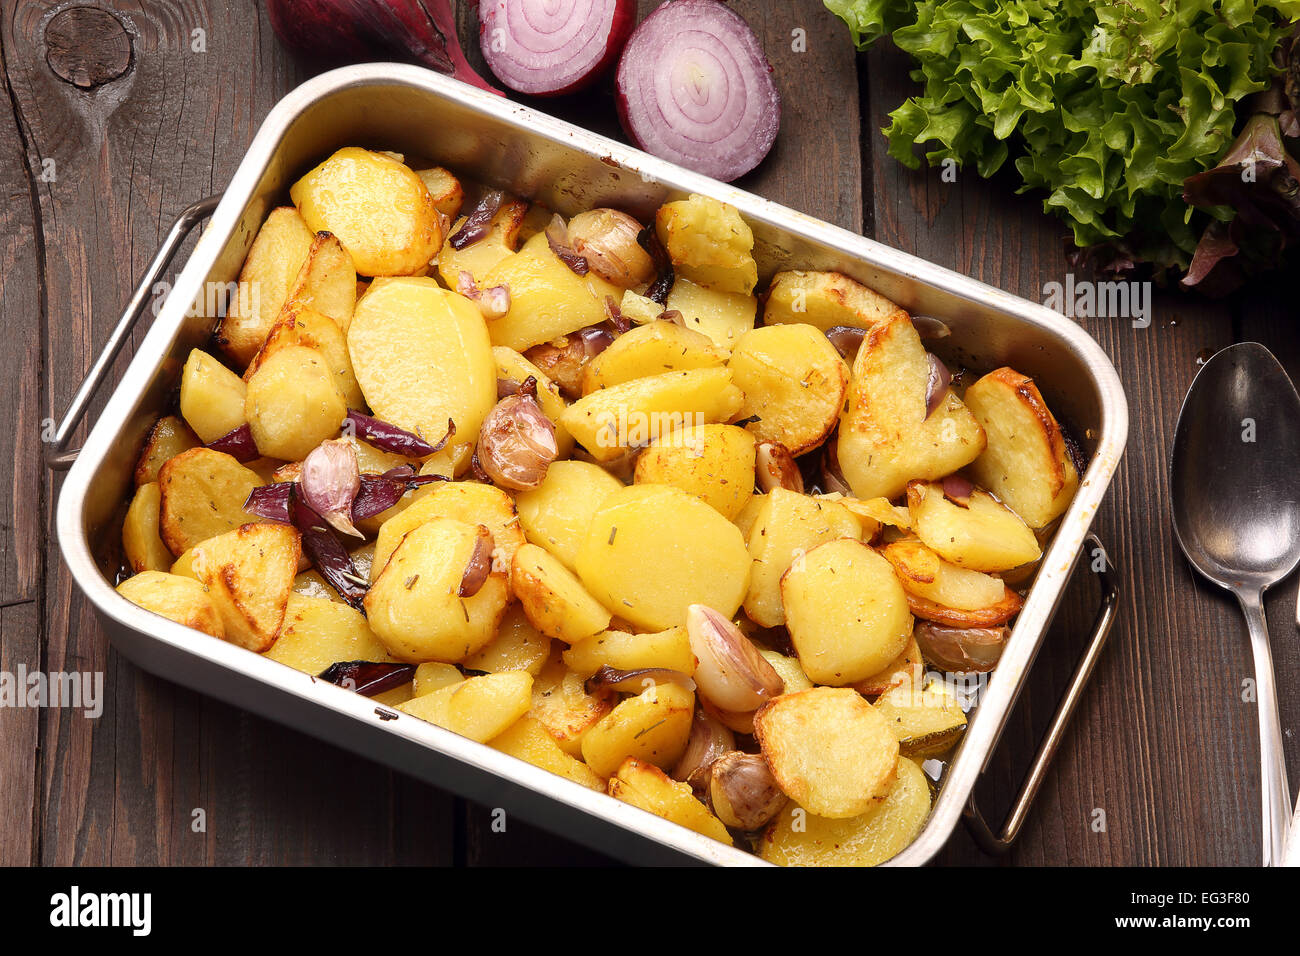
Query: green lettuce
[1106, 108]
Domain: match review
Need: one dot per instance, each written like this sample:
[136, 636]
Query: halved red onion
[936, 388]
[271, 501]
[958, 490]
[961, 649]
[731, 673]
[635, 681]
[709, 740]
[493, 302]
[327, 555]
[368, 678]
[330, 481]
[548, 47]
[237, 443]
[695, 88]
[847, 339]
[478, 223]
[390, 438]
[557, 237]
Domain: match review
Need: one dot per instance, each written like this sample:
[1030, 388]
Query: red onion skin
[420, 31]
[533, 80]
[237, 443]
[368, 678]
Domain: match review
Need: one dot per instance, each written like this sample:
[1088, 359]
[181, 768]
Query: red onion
[635, 681]
[378, 493]
[418, 31]
[478, 223]
[936, 389]
[557, 237]
[330, 481]
[493, 301]
[847, 339]
[271, 501]
[958, 490]
[398, 441]
[548, 47]
[237, 443]
[663, 284]
[695, 88]
[327, 555]
[368, 678]
[479, 565]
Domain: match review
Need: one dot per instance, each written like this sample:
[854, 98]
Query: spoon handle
[1276, 794]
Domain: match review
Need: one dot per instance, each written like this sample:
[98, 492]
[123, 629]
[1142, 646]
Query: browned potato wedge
[798, 838]
[794, 381]
[318, 632]
[789, 670]
[479, 708]
[480, 258]
[168, 438]
[212, 397]
[847, 614]
[652, 727]
[445, 188]
[202, 495]
[925, 574]
[724, 317]
[518, 646]
[670, 649]
[749, 514]
[327, 283]
[466, 501]
[715, 463]
[983, 534]
[553, 598]
[303, 326]
[991, 616]
[709, 243]
[646, 786]
[141, 542]
[293, 403]
[825, 300]
[907, 669]
[1026, 464]
[249, 574]
[652, 349]
[379, 209]
[274, 262]
[562, 705]
[434, 675]
[886, 438]
[415, 607]
[176, 598]
[927, 721]
[830, 751]
[528, 740]
[557, 513]
[422, 357]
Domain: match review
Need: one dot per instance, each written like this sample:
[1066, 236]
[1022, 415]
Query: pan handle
[979, 829]
[57, 457]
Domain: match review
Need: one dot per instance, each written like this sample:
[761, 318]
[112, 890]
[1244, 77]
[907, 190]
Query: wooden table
[117, 122]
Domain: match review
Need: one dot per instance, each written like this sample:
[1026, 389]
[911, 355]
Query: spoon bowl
[1234, 479]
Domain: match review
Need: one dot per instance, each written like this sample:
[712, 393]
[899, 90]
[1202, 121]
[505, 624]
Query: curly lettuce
[1105, 107]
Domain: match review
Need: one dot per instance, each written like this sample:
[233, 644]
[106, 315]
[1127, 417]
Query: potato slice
[318, 632]
[422, 357]
[434, 675]
[794, 381]
[379, 209]
[445, 188]
[787, 525]
[327, 283]
[748, 515]
[651, 349]
[830, 751]
[798, 838]
[926, 721]
[414, 606]
[176, 598]
[907, 669]
[168, 437]
[273, 264]
[646, 786]
[825, 300]
[202, 495]
[293, 403]
[983, 535]
[1026, 464]
[925, 574]
[715, 463]
[789, 670]
[562, 705]
[880, 511]
[513, 367]
[611, 420]
[479, 708]
[529, 741]
[480, 258]
[547, 298]
[518, 646]
[670, 649]
[653, 727]
[709, 243]
[652, 551]
[553, 598]
[302, 325]
[141, 542]
[886, 438]
[249, 575]
[847, 614]
[212, 397]
[724, 317]
[557, 513]
[466, 501]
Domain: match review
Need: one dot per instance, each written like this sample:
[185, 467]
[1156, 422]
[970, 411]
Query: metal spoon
[1235, 483]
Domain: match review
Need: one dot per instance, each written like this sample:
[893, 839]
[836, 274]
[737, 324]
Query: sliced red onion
[330, 481]
[327, 555]
[549, 47]
[398, 441]
[378, 493]
[479, 565]
[929, 327]
[595, 340]
[237, 443]
[271, 501]
[695, 88]
[557, 237]
[478, 223]
[958, 490]
[936, 389]
[635, 681]
[663, 284]
[847, 339]
[961, 649]
[493, 301]
[368, 678]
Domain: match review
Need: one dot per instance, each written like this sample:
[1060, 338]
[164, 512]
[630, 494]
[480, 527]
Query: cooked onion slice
[390, 438]
[547, 47]
[695, 88]
[368, 678]
[479, 565]
[635, 681]
[237, 443]
[327, 555]
[731, 673]
[270, 501]
[775, 467]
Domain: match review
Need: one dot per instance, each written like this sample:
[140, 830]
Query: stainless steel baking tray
[388, 106]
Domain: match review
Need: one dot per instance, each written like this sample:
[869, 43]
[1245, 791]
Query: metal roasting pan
[488, 138]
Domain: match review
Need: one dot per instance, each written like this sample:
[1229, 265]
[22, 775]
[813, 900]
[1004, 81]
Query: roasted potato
[652, 727]
[326, 284]
[715, 463]
[927, 721]
[925, 574]
[518, 646]
[177, 598]
[557, 513]
[303, 326]
[529, 741]
[825, 300]
[646, 786]
[318, 632]
[248, 573]
[141, 542]
[446, 190]
[479, 708]
[202, 495]
[562, 705]
[293, 403]
[788, 668]
[661, 346]
[480, 258]
[709, 243]
[670, 649]
[553, 598]
[724, 317]
[908, 668]
[982, 533]
[212, 397]
[168, 437]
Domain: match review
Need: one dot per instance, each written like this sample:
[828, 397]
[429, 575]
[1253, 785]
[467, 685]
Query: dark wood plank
[20, 647]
